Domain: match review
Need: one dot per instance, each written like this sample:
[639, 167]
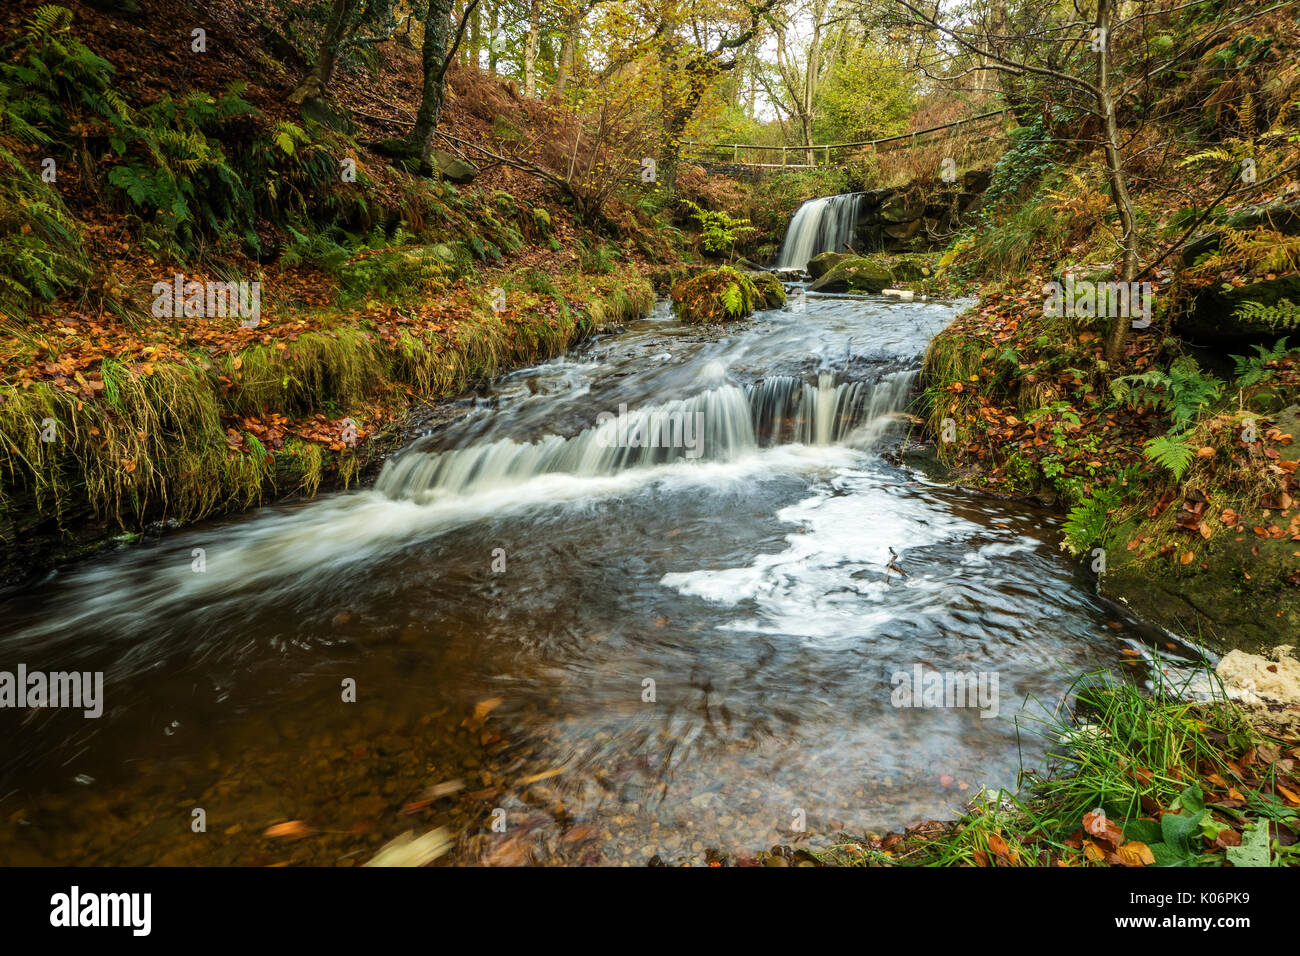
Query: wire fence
[827, 154]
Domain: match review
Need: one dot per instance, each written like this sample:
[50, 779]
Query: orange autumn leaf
[999, 848]
[291, 830]
[1096, 824]
[1135, 854]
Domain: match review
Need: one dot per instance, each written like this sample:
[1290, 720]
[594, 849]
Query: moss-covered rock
[855, 274]
[717, 295]
[1238, 591]
[911, 268]
[1257, 312]
[824, 262]
[770, 288]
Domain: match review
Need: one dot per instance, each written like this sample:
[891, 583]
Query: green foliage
[192, 166]
[1031, 156]
[318, 247]
[41, 245]
[1171, 452]
[718, 231]
[1183, 391]
[1259, 250]
[1014, 242]
[1281, 314]
[177, 175]
[1087, 522]
[595, 259]
[1253, 369]
[1175, 839]
[866, 94]
[55, 71]
[733, 300]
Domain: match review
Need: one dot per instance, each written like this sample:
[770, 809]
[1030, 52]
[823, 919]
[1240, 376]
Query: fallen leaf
[291, 830]
[1134, 853]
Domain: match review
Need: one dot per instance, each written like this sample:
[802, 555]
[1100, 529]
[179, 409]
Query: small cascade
[820, 225]
[717, 425]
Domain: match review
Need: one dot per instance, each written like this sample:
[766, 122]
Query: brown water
[748, 583]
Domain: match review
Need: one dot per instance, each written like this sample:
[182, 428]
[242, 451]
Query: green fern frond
[49, 18]
[1281, 314]
[733, 299]
[1170, 452]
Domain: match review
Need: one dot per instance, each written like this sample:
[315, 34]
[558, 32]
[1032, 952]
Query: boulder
[1215, 318]
[719, 295]
[1282, 216]
[910, 268]
[769, 287]
[823, 262]
[902, 230]
[1237, 594]
[875, 198]
[326, 112]
[855, 274]
[451, 167]
[902, 208]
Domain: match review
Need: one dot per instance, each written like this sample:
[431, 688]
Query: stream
[571, 642]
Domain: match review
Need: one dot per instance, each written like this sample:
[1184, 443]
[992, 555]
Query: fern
[1260, 250]
[1183, 391]
[1170, 452]
[733, 299]
[41, 244]
[718, 231]
[1253, 369]
[1281, 314]
[1088, 521]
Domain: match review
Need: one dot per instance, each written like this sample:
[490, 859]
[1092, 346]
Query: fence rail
[718, 152]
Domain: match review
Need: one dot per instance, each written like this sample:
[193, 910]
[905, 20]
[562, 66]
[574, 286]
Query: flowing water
[634, 602]
[825, 224]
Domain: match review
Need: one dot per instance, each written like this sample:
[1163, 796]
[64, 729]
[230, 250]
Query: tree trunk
[476, 35]
[530, 51]
[810, 87]
[316, 82]
[433, 61]
[565, 67]
[1118, 182]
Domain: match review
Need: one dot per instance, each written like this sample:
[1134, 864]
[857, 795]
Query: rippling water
[613, 653]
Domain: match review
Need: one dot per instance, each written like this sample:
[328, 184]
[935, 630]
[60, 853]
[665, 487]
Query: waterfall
[827, 224]
[719, 424]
